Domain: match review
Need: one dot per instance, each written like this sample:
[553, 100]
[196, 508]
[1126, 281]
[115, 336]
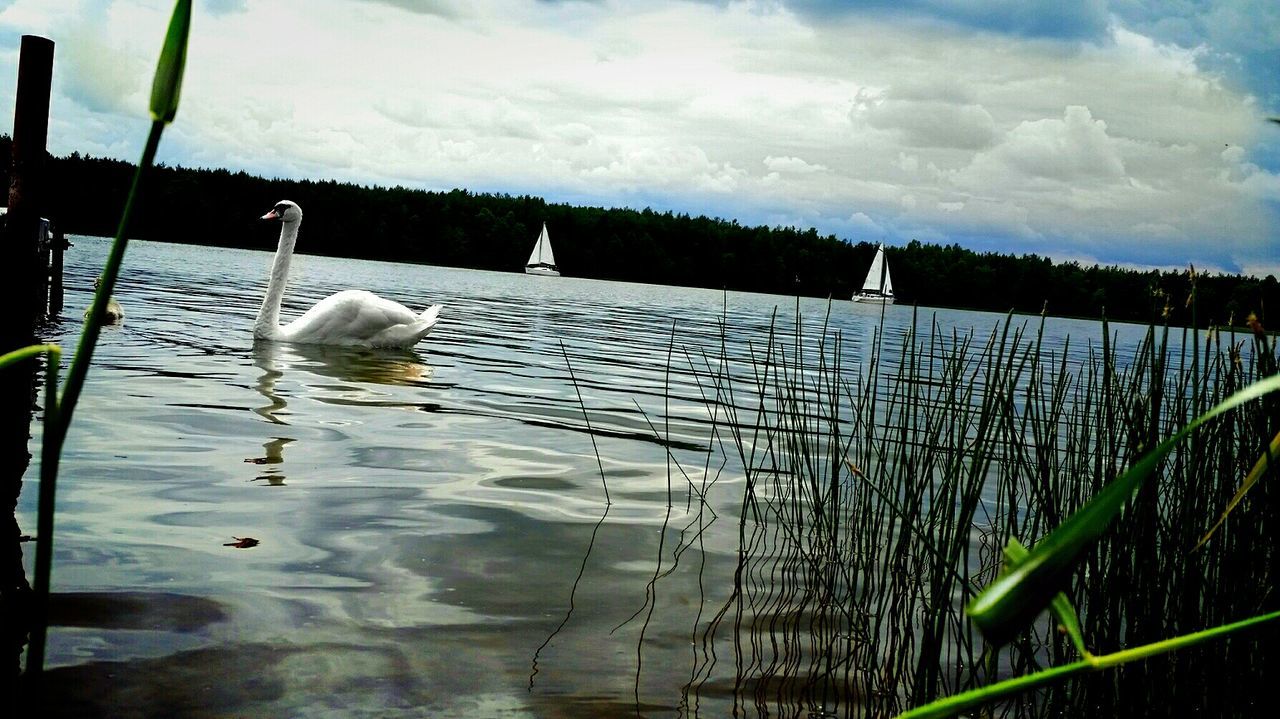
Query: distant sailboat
[877, 288]
[541, 260]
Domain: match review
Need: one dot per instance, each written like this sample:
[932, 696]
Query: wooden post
[19, 252]
[18, 276]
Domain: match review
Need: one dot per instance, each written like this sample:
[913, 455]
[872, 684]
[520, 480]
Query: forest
[496, 231]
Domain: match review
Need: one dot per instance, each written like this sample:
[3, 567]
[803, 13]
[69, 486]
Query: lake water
[432, 529]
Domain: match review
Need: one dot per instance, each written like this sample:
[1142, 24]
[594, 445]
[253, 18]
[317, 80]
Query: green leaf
[1060, 606]
[1014, 599]
[957, 703]
[173, 59]
[28, 352]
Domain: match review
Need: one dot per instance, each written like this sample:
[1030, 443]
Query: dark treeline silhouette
[496, 232]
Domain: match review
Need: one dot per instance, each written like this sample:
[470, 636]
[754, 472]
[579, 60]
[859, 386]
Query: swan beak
[270, 216]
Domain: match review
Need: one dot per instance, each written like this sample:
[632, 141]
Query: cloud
[1031, 18]
[942, 121]
[792, 165]
[859, 225]
[223, 7]
[1073, 149]
[100, 77]
[1239, 39]
[647, 168]
[932, 123]
[446, 9]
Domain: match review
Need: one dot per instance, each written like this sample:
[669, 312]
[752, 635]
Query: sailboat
[877, 288]
[541, 260]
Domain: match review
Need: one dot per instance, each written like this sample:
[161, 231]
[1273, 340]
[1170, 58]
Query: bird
[356, 318]
[112, 314]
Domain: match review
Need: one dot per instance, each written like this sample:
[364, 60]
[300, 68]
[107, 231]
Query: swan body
[351, 317]
[112, 314]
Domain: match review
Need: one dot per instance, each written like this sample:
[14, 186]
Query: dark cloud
[1241, 37]
[1086, 19]
[447, 9]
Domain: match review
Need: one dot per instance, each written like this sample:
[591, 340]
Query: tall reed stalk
[59, 409]
[879, 501]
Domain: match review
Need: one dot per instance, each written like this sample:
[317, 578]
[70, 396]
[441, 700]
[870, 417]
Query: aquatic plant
[879, 501]
[59, 409]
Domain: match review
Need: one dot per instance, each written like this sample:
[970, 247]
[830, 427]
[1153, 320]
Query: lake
[433, 537]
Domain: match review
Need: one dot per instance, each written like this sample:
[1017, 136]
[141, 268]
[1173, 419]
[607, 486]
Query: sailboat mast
[881, 265]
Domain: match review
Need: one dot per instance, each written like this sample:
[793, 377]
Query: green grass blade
[1012, 601]
[952, 705]
[1060, 605]
[28, 352]
[167, 85]
[59, 410]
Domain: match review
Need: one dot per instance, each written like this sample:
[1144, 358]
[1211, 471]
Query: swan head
[285, 211]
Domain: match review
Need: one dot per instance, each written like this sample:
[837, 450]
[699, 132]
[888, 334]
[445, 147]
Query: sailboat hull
[541, 270]
[872, 299]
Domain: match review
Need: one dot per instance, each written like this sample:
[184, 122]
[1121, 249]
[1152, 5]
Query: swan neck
[268, 322]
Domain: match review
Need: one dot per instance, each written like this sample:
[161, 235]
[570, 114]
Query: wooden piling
[20, 250]
[19, 276]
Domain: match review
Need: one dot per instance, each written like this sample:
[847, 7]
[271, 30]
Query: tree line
[496, 232]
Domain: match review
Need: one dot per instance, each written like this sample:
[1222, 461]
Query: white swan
[351, 317]
[112, 314]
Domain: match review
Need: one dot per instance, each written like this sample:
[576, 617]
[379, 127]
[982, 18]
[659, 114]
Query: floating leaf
[242, 542]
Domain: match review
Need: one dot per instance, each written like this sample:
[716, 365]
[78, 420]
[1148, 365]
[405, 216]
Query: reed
[878, 501]
[59, 408]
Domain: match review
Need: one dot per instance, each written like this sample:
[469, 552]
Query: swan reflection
[348, 364]
[354, 367]
[272, 475]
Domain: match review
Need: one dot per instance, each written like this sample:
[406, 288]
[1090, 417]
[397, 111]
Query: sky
[1131, 132]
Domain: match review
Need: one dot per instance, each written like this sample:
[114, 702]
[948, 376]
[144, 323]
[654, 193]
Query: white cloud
[1075, 149]
[792, 164]
[865, 126]
[934, 123]
[100, 77]
[862, 227]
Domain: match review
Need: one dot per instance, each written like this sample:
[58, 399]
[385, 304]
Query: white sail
[877, 287]
[542, 254]
[877, 275]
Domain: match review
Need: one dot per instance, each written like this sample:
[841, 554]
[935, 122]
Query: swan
[352, 317]
[112, 314]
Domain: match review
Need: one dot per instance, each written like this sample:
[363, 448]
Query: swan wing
[357, 317]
